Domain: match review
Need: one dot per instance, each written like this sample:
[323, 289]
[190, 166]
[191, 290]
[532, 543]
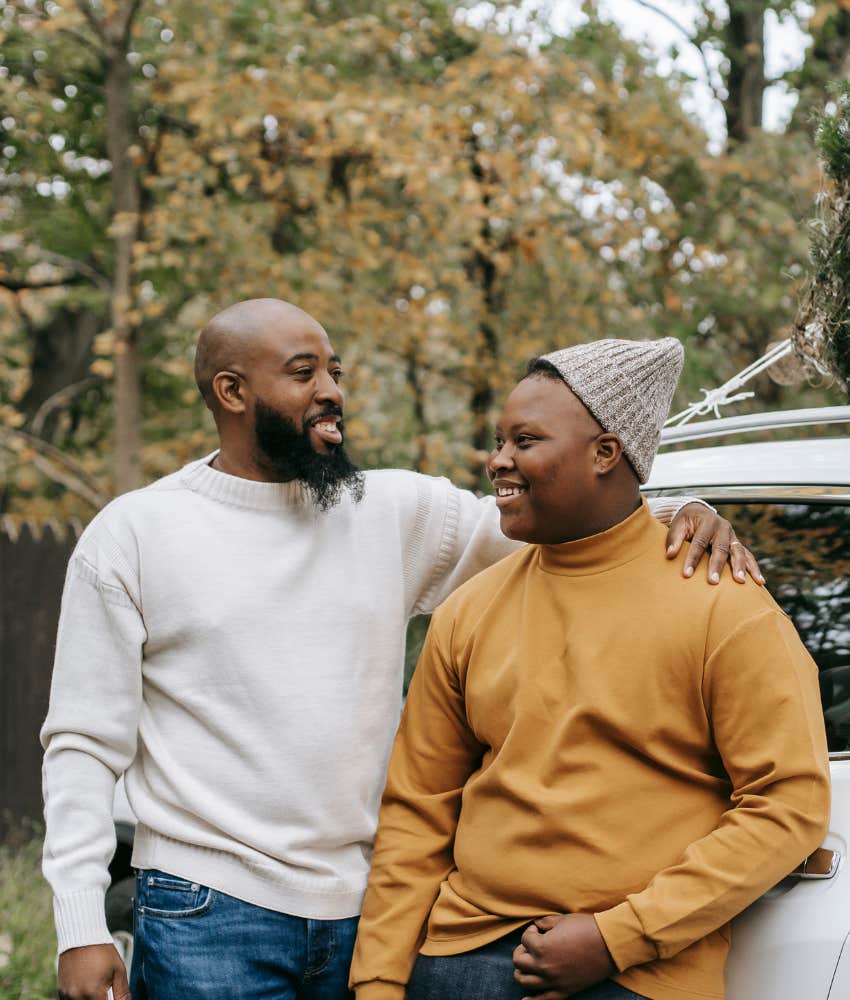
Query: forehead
[543, 400]
[280, 342]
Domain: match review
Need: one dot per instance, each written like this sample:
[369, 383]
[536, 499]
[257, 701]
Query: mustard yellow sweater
[587, 731]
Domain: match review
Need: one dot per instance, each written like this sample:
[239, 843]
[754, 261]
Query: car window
[804, 551]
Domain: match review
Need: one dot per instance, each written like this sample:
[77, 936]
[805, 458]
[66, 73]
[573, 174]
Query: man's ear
[608, 455]
[228, 389]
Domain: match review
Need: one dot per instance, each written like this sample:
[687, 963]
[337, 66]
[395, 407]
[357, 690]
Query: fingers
[738, 558]
[530, 980]
[699, 543]
[676, 534]
[754, 569]
[120, 986]
[744, 562]
[548, 995]
[531, 940]
[526, 971]
[717, 560]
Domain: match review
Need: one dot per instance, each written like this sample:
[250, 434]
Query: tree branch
[80, 267]
[655, 9]
[94, 21]
[128, 14]
[80, 272]
[60, 398]
[56, 465]
[21, 286]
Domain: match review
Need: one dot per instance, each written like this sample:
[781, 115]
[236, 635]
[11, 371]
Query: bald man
[232, 641]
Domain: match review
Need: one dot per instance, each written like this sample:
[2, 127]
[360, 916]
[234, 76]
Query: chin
[516, 532]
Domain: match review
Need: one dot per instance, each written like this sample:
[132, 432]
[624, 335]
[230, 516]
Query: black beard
[289, 454]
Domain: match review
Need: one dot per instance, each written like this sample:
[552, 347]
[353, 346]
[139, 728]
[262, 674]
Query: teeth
[509, 491]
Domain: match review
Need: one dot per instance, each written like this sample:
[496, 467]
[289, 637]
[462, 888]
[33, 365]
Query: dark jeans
[487, 974]
[194, 943]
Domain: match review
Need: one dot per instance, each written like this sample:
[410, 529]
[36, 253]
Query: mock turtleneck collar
[201, 477]
[604, 551]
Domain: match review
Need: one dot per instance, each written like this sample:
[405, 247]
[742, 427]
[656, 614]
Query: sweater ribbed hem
[377, 990]
[273, 885]
[80, 919]
[666, 508]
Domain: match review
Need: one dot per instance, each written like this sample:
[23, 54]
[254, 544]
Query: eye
[338, 375]
[497, 443]
[524, 440]
[303, 373]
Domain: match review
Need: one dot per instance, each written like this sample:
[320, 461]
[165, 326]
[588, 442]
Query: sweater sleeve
[761, 694]
[89, 738]
[456, 534]
[434, 754]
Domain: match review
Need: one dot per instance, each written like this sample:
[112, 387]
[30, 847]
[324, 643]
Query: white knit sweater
[238, 655]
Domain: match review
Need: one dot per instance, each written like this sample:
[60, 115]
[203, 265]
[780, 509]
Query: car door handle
[822, 863]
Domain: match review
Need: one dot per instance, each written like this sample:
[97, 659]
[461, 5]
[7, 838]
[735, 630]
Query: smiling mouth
[326, 428]
[506, 494]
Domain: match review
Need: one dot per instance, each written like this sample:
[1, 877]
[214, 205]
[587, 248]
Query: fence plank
[32, 569]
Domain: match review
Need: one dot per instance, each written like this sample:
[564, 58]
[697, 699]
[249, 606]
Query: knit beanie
[628, 386]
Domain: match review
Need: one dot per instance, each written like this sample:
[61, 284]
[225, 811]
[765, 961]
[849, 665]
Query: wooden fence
[32, 570]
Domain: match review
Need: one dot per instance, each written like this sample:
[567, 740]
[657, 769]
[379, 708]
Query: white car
[790, 501]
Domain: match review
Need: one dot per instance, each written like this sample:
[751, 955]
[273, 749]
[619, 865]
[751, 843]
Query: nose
[501, 460]
[329, 390]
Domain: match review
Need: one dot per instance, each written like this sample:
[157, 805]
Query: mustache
[331, 410]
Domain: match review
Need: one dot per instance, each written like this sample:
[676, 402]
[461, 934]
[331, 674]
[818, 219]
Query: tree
[449, 201]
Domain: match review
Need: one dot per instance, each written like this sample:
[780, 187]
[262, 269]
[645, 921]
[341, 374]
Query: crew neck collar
[201, 477]
[604, 551]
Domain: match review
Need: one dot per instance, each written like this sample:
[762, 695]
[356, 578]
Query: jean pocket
[163, 895]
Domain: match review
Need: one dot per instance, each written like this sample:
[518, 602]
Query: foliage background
[27, 940]
[447, 200]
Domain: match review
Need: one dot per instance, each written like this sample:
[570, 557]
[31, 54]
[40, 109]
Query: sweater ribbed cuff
[80, 919]
[666, 508]
[624, 937]
[378, 990]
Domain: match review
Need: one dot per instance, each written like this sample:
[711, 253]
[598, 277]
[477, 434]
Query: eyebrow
[306, 356]
[514, 427]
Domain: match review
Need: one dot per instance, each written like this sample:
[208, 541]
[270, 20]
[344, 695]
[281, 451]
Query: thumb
[546, 923]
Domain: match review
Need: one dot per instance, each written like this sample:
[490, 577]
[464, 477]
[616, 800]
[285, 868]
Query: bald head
[235, 338]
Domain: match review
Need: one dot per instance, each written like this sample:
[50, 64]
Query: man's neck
[232, 463]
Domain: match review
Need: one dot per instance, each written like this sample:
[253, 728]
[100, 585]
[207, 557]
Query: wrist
[379, 990]
[687, 501]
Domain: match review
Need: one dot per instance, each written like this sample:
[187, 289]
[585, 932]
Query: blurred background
[449, 188]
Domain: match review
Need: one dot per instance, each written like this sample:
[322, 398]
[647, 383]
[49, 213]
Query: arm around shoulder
[456, 535]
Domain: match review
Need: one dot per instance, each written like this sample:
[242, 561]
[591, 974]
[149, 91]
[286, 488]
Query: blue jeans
[195, 943]
[487, 974]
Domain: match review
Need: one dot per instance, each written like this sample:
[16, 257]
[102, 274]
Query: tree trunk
[483, 271]
[125, 226]
[744, 75]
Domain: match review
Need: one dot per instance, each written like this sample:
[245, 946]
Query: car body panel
[793, 943]
[820, 461]
[787, 945]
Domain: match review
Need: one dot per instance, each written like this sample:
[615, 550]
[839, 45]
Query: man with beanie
[598, 765]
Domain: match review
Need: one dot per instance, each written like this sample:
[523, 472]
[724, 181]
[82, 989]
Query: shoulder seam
[84, 571]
